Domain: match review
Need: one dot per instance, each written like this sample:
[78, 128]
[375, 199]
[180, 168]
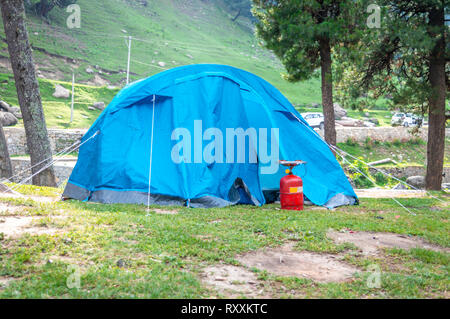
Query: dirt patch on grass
[285, 261]
[18, 225]
[165, 212]
[232, 281]
[5, 281]
[389, 193]
[370, 242]
[38, 199]
[11, 209]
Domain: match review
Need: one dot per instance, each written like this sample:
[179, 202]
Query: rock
[374, 121]
[369, 124]
[162, 64]
[10, 109]
[4, 106]
[8, 119]
[339, 112]
[190, 56]
[416, 181]
[61, 92]
[99, 105]
[121, 263]
[91, 108]
[350, 122]
[315, 105]
[367, 114]
[16, 111]
[400, 186]
[89, 70]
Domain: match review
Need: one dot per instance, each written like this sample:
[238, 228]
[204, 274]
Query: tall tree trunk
[436, 128]
[5, 160]
[13, 13]
[327, 91]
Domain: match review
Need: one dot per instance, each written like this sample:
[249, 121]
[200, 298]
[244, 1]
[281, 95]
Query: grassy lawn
[174, 32]
[57, 110]
[123, 251]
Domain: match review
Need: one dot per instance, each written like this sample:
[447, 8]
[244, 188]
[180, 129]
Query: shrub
[368, 143]
[381, 179]
[351, 142]
[397, 143]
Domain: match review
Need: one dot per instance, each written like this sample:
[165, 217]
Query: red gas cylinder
[291, 188]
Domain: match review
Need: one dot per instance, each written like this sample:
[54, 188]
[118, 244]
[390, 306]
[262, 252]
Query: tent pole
[151, 155]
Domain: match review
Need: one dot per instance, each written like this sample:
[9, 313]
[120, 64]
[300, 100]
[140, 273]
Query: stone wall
[59, 139]
[384, 134]
[21, 166]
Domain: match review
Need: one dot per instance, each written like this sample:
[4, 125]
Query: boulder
[315, 105]
[5, 107]
[339, 112]
[400, 186]
[162, 64]
[374, 121]
[369, 124]
[99, 105]
[416, 181]
[8, 119]
[89, 70]
[350, 122]
[61, 92]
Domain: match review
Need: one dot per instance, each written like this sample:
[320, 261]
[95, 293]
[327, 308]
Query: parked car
[314, 120]
[412, 120]
[397, 119]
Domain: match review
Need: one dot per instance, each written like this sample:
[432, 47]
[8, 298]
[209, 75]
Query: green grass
[171, 29]
[165, 254]
[56, 110]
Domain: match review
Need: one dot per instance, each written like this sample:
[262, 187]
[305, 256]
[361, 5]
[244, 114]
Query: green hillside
[166, 34]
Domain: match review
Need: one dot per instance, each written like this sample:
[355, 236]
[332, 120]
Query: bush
[397, 143]
[381, 179]
[368, 143]
[351, 142]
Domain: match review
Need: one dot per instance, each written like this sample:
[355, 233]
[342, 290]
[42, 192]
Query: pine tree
[302, 33]
[407, 57]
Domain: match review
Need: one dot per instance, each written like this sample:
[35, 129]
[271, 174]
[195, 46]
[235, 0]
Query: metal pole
[73, 97]
[129, 57]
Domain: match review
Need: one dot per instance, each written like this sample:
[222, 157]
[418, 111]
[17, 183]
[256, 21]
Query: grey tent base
[273, 196]
[238, 194]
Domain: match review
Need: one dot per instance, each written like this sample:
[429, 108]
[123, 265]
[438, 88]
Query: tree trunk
[13, 13]
[5, 160]
[327, 91]
[436, 128]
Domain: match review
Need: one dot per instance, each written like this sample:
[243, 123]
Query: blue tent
[202, 136]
